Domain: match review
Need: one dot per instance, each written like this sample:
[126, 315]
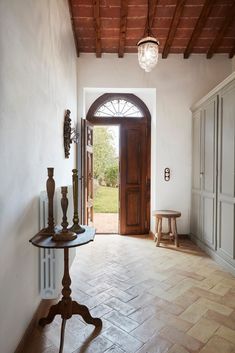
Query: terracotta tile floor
[151, 300]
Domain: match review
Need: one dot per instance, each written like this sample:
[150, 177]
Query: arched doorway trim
[108, 97]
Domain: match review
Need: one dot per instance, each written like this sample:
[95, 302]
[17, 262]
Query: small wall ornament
[70, 134]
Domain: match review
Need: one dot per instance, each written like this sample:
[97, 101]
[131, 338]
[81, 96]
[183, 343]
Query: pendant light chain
[148, 32]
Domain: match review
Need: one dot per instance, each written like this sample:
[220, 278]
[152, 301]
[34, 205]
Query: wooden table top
[166, 213]
[44, 241]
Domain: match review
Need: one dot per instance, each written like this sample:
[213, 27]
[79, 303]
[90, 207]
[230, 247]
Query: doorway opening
[127, 113]
[106, 178]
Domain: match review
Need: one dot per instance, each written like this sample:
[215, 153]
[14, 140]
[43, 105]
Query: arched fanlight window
[118, 108]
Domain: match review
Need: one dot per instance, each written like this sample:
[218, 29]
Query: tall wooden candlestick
[76, 227]
[50, 194]
[64, 206]
[64, 234]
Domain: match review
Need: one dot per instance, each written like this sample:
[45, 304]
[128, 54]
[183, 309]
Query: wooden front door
[134, 119]
[88, 172]
[133, 179]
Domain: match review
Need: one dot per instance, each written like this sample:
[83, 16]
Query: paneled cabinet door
[208, 171]
[196, 168]
[226, 182]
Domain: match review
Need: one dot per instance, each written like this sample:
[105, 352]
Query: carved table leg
[67, 307]
[54, 310]
[83, 311]
[64, 307]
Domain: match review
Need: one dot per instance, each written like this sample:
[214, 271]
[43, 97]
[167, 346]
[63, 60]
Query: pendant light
[148, 49]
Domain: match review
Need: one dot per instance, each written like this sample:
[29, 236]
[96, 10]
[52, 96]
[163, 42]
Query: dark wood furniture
[66, 307]
[172, 232]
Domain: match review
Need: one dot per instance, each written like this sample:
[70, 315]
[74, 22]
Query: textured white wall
[177, 84]
[37, 83]
[233, 63]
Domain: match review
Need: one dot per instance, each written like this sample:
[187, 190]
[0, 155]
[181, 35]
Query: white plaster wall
[177, 84]
[233, 63]
[37, 83]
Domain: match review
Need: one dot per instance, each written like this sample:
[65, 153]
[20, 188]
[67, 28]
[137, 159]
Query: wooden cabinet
[213, 172]
[226, 174]
[196, 182]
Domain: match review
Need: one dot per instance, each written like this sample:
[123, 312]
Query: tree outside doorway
[106, 178]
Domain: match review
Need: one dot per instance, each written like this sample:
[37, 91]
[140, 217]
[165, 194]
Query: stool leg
[175, 232]
[159, 232]
[170, 228]
[156, 229]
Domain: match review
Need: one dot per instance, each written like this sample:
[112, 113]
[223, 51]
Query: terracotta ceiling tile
[82, 12]
[137, 11]
[110, 3]
[110, 12]
[192, 11]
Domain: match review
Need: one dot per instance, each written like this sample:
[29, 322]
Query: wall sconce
[70, 134]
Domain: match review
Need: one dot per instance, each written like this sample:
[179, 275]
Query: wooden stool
[171, 216]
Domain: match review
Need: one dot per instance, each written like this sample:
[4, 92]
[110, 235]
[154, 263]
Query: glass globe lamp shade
[148, 53]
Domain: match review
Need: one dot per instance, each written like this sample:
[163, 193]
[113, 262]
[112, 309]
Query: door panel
[209, 138]
[134, 191]
[208, 171]
[227, 146]
[196, 151]
[133, 169]
[226, 185]
[196, 180]
[88, 172]
[203, 224]
[195, 215]
[226, 236]
[133, 176]
[133, 209]
[208, 221]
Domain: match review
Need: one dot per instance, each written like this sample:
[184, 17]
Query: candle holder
[50, 186]
[64, 234]
[76, 226]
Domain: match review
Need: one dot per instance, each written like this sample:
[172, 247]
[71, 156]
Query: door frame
[146, 120]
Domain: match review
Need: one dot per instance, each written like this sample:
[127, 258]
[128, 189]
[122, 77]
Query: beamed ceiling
[181, 26]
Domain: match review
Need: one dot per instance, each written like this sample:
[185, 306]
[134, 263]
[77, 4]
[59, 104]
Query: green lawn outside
[106, 200]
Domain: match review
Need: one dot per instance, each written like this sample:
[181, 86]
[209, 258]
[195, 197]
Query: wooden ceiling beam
[96, 15]
[123, 27]
[173, 27]
[73, 27]
[221, 32]
[152, 13]
[199, 26]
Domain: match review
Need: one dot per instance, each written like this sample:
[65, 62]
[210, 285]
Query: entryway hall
[151, 300]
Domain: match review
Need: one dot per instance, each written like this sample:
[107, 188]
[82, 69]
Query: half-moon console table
[66, 307]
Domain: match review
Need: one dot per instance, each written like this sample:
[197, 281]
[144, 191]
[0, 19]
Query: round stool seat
[171, 216]
[166, 213]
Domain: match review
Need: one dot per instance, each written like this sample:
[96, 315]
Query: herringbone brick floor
[151, 300]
